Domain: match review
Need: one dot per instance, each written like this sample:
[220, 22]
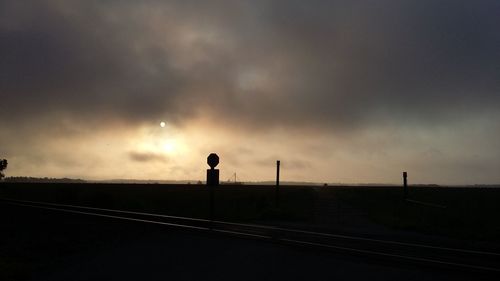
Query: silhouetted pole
[277, 182]
[212, 181]
[211, 206]
[405, 184]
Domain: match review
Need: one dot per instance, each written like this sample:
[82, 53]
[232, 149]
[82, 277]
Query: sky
[338, 91]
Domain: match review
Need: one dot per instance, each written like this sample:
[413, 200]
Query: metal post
[211, 206]
[212, 181]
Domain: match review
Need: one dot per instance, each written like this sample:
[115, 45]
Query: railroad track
[428, 255]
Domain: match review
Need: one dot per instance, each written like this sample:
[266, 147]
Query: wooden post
[405, 184]
[277, 182]
[278, 173]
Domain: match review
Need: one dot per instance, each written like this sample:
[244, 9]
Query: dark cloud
[71, 58]
[147, 157]
[341, 68]
[317, 64]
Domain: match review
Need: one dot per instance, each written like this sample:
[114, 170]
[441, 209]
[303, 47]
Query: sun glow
[165, 141]
[169, 146]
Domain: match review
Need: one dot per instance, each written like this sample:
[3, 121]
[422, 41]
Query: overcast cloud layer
[389, 72]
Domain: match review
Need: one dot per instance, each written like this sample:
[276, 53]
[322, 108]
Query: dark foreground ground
[46, 245]
[467, 215]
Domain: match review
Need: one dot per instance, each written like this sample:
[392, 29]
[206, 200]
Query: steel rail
[277, 233]
[265, 227]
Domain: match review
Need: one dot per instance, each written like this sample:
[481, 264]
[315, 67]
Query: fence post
[405, 185]
[277, 182]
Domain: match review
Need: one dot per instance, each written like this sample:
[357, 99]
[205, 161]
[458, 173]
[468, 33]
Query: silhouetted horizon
[228, 182]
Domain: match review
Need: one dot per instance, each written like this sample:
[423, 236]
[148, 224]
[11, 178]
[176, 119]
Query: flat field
[460, 213]
[38, 242]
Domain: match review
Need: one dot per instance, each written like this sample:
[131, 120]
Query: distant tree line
[3, 166]
[43, 180]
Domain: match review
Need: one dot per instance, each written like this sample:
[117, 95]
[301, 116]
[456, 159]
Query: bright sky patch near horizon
[339, 91]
